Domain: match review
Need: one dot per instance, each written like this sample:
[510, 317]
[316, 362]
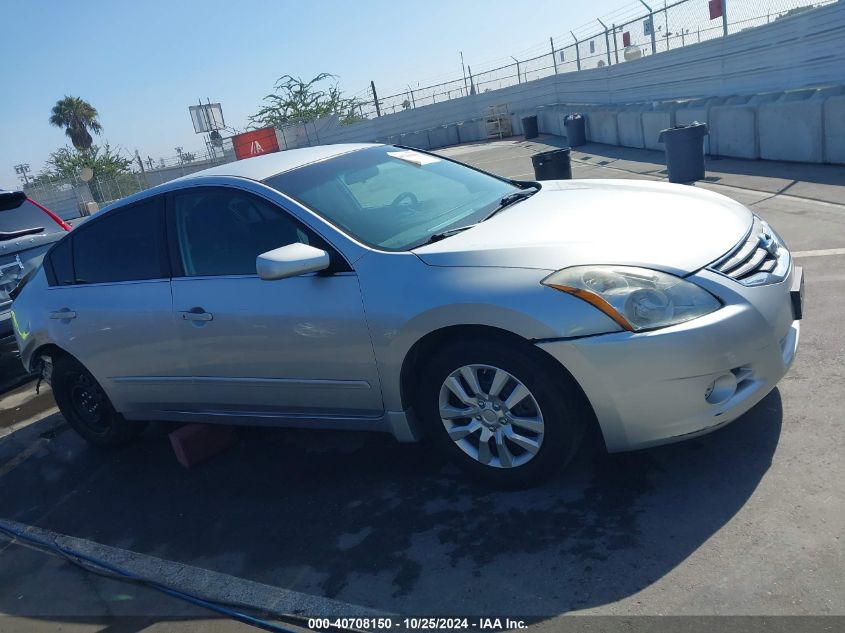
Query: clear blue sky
[141, 64]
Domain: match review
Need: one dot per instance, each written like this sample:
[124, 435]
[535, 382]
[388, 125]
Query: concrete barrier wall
[695, 82]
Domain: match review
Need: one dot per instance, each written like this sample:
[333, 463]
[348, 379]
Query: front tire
[86, 406]
[500, 412]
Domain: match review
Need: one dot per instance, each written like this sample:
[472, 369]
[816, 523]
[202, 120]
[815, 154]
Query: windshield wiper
[447, 233]
[10, 235]
[513, 198]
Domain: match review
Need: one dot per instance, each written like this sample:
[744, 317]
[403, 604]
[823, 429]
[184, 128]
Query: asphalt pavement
[747, 521]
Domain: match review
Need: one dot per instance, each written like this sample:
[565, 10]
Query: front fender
[405, 300]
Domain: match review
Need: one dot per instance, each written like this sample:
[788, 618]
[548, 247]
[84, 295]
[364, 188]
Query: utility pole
[606, 40]
[375, 98]
[577, 51]
[554, 59]
[22, 169]
[464, 70]
[651, 27]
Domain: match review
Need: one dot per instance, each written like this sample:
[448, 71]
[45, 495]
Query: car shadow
[362, 519]
[12, 374]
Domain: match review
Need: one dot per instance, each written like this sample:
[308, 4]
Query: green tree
[78, 118]
[67, 162]
[294, 100]
[112, 177]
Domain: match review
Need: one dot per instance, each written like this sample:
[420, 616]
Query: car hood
[674, 228]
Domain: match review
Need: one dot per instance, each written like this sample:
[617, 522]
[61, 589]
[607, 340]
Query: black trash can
[576, 131]
[553, 165]
[529, 127]
[684, 151]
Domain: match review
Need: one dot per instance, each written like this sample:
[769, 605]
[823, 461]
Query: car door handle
[195, 315]
[63, 314]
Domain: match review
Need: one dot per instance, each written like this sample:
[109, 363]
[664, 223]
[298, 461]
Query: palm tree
[77, 116]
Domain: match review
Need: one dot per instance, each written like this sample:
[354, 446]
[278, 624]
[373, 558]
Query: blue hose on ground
[117, 573]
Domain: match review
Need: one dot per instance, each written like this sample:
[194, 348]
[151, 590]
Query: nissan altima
[382, 288]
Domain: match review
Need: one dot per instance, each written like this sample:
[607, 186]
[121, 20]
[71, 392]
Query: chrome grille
[757, 259]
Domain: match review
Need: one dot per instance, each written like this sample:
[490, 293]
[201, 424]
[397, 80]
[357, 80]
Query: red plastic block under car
[194, 443]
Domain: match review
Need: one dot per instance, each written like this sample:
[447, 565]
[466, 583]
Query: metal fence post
[606, 41]
[651, 27]
[725, 17]
[413, 101]
[518, 76]
[577, 51]
[615, 46]
[375, 98]
[554, 59]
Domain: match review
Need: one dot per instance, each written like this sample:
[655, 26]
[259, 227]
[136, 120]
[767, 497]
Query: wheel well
[51, 350]
[422, 350]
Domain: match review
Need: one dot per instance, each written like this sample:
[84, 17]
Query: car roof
[262, 167]
[256, 168]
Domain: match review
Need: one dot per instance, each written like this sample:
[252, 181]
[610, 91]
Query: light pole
[22, 169]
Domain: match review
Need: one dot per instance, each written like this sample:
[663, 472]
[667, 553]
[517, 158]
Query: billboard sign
[207, 117]
[255, 143]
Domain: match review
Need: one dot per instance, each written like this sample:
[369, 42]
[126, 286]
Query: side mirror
[290, 261]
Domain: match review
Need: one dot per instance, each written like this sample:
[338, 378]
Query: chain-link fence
[640, 29]
[72, 197]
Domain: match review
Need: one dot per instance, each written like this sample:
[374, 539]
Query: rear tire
[530, 417]
[86, 406]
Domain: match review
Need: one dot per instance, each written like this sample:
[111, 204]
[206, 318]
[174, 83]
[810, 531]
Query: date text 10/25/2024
[386, 623]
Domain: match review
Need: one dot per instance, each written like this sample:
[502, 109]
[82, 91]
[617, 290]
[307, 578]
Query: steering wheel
[406, 195]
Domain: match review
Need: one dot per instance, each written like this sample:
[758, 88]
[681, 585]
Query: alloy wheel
[491, 416]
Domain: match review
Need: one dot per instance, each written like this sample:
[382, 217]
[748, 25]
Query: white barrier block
[630, 124]
[734, 131]
[791, 131]
[834, 130]
[601, 127]
[419, 140]
[548, 120]
[654, 123]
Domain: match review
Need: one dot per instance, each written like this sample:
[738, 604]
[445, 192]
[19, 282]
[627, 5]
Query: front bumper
[651, 388]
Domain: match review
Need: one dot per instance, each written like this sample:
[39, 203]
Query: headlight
[636, 298]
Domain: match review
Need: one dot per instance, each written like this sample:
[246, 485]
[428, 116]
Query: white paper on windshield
[410, 156]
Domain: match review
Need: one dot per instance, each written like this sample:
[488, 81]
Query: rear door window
[125, 245]
[60, 264]
[26, 217]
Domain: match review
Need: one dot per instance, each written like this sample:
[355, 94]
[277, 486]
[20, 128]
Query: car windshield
[393, 198]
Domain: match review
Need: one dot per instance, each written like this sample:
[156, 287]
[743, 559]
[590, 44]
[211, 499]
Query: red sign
[626, 38]
[255, 143]
[715, 9]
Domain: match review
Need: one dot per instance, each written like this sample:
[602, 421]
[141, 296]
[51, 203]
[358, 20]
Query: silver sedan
[381, 288]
